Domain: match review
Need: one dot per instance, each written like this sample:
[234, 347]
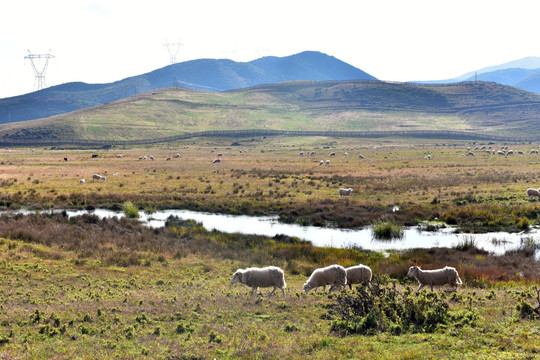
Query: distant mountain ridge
[203, 74]
[522, 73]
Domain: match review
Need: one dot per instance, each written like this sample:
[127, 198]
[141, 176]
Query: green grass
[75, 296]
[341, 106]
[130, 210]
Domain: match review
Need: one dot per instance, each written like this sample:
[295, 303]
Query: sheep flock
[337, 277]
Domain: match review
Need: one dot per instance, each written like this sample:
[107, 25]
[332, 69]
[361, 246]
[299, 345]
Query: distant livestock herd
[337, 277]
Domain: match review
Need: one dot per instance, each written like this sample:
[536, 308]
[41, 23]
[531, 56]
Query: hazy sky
[403, 40]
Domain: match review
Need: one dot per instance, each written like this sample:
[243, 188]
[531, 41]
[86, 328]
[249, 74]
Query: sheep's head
[413, 270]
[237, 277]
[307, 287]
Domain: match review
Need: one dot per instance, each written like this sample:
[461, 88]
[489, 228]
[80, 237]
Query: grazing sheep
[427, 157]
[65, 159]
[177, 155]
[152, 158]
[470, 153]
[220, 154]
[358, 274]
[168, 158]
[346, 154]
[321, 162]
[533, 192]
[502, 153]
[360, 156]
[520, 152]
[333, 275]
[98, 177]
[216, 161]
[119, 155]
[327, 163]
[261, 277]
[332, 154]
[345, 192]
[301, 153]
[534, 151]
[116, 173]
[448, 275]
[94, 156]
[82, 181]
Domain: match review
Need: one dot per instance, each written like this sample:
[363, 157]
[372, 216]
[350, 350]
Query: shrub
[377, 309]
[387, 230]
[130, 210]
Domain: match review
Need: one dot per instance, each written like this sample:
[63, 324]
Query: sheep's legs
[420, 287]
[272, 292]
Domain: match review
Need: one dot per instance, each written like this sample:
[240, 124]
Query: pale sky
[400, 40]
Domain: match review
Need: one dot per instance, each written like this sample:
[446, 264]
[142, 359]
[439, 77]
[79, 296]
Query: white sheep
[358, 274]
[82, 181]
[534, 151]
[216, 161]
[333, 275]
[177, 155]
[427, 157]
[261, 277]
[533, 192]
[327, 163]
[345, 192]
[447, 275]
[321, 162]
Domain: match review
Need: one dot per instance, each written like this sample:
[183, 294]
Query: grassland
[89, 288]
[487, 108]
[267, 176]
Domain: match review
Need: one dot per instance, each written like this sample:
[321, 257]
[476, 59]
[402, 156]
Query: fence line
[443, 134]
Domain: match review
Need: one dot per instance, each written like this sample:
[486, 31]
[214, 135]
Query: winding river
[414, 237]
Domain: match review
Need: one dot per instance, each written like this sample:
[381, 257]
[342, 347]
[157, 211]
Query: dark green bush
[374, 309]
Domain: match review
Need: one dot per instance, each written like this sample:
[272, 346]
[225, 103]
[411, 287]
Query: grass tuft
[130, 210]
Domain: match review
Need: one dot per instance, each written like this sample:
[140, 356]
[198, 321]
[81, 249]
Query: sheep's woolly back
[359, 274]
[447, 275]
[334, 275]
[260, 277]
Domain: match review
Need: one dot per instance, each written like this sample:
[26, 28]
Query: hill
[487, 108]
[523, 74]
[204, 74]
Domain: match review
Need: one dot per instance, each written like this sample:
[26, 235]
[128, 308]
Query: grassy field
[487, 108]
[268, 176]
[89, 288]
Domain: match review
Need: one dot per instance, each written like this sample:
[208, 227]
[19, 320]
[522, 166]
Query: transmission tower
[39, 68]
[173, 49]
